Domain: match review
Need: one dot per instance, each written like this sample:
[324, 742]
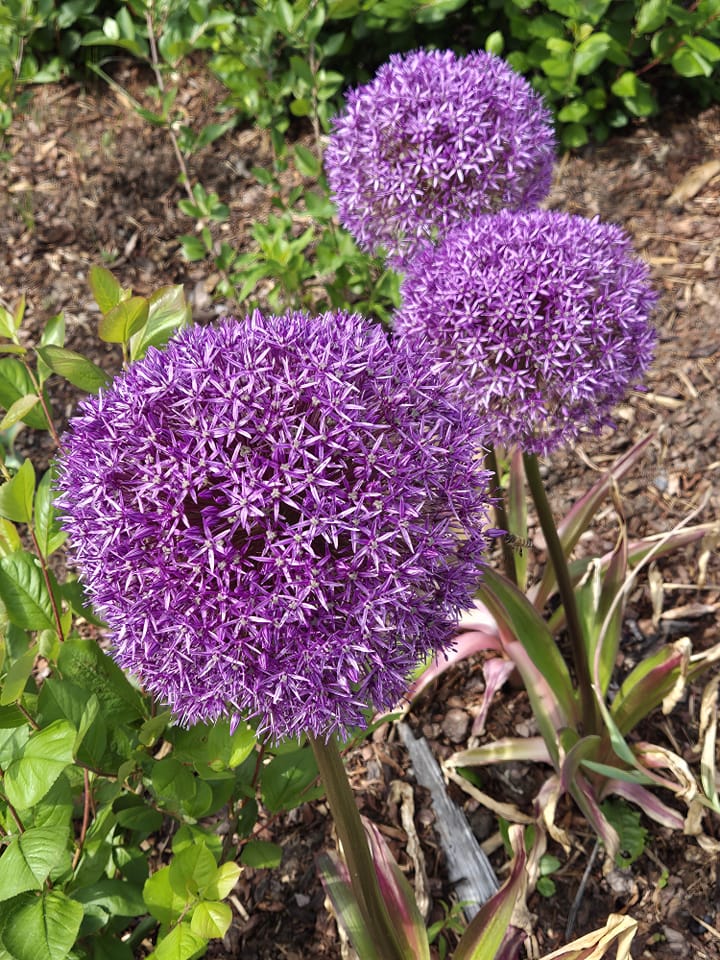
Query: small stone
[455, 725]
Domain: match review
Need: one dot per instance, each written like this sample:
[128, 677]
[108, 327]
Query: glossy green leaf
[225, 878]
[105, 288]
[124, 320]
[19, 410]
[168, 312]
[24, 592]
[75, 368]
[17, 677]
[181, 943]
[117, 898]
[83, 661]
[47, 529]
[42, 928]
[161, 899]
[192, 869]
[287, 779]
[261, 854]
[689, 63]
[651, 15]
[47, 753]
[211, 919]
[16, 495]
[591, 53]
[16, 383]
[28, 859]
[625, 85]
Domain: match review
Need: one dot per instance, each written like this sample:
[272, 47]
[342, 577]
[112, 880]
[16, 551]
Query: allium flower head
[433, 139]
[276, 518]
[542, 315]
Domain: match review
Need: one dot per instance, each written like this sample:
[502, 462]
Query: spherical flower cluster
[543, 317]
[277, 518]
[433, 139]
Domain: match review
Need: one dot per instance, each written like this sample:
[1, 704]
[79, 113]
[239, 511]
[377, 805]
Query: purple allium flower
[277, 518]
[542, 315]
[432, 140]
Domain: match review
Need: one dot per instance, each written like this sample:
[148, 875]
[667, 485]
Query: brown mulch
[89, 182]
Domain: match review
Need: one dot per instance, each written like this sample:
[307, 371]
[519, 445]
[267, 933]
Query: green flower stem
[355, 850]
[588, 703]
[501, 517]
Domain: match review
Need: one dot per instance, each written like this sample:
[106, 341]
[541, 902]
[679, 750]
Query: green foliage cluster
[92, 775]
[598, 63]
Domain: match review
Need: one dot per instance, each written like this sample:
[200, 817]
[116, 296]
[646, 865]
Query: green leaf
[643, 104]
[689, 63]
[47, 753]
[19, 410]
[192, 869]
[16, 495]
[625, 85]
[84, 662]
[287, 778]
[181, 943]
[306, 162]
[29, 858]
[167, 313]
[192, 247]
[172, 781]
[77, 370]
[16, 383]
[651, 16]
[42, 928]
[494, 43]
[225, 878]
[211, 919]
[573, 112]
[706, 48]
[261, 854]
[47, 529]
[23, 591]
[105, 288]
[117, 897]
[125, 319]
[161, 899]
[591, 53]
[17, 677]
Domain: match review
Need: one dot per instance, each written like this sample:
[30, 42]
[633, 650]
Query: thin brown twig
[85, 819]
[38, 389]
[30, 719]
[46, 578]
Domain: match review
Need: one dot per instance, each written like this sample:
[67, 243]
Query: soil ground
[89, 182]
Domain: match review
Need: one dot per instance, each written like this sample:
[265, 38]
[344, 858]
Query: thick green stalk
[501, 518]
[588, 703]
[355, 850]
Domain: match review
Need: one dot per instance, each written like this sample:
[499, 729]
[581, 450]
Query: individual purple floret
[432, 140]
[543, 316]
[277, 518]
